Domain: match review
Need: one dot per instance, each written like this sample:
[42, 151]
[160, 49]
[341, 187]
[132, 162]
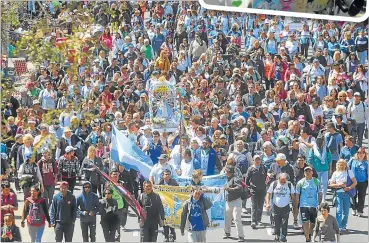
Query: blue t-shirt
[360, 169]
[308, 191]
[195, 216]
[332, 141]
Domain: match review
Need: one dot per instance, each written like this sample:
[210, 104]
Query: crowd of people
[285, 126]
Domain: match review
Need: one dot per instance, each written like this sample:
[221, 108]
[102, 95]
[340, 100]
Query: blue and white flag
[127, 153]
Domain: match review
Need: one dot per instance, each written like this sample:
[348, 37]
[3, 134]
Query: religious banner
[163, 107]
[174, 197]
[208, 181]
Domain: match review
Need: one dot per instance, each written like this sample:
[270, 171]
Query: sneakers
[360, 214]
[276, 239]
[244, 210]
[166, 240]
[241, 239]
[226, 236]
[253, 225]
[260, 224]
[273, 232]
[354, 212]
[296, 225]
[283, 239]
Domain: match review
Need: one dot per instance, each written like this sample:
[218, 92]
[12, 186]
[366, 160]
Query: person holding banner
[195, 217]
[153, 206]
[233, 190]
[167, 180]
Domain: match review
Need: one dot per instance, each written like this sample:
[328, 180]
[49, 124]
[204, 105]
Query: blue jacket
[89, 203]
[347, 153]
[212, 161]
[63, 210]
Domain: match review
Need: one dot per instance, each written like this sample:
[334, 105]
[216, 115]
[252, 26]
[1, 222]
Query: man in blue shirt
[349, 150]
[334, 142]
[310, 196]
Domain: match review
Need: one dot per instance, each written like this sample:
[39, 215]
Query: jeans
[65, 230]
[257, 202]
[196, 236]
[323, 178]
[84, 229]
[305, 50]
[360, 133]
[71, 182]
[281, 220]
[234, 209]
[109, 230]
[96, 188]
[149, 234]
[172, 231]
[362, 56]
[343, 209]
[359, 200]
[36, 232]
[49, 193]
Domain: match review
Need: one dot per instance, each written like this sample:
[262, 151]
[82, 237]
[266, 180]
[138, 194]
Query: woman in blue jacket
[359, 166]
[333, 46]
[347, 45]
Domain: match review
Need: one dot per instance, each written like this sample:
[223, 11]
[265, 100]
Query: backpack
[316, 182]
[350, 105]
[36, 215]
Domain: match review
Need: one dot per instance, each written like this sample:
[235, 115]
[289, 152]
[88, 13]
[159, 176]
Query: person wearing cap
[108, 209]
[29, 175]
[255, 181]
[158, 169]
[87, 207]
[308, 197]
[278, 197]
[49, 173]
[358, 110]
[32, 128]
[68, 139]
[69, 167]
[281, 165]
[13, 159]
[334, 142]
[63, 213]
[359, 166]
[233, 190]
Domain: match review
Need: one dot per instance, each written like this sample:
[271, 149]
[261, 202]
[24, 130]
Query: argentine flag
[128, 154]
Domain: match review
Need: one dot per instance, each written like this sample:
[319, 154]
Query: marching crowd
[284, 127]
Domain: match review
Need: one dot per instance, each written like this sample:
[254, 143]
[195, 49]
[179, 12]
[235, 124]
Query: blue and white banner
[127, 153]
[208, 181]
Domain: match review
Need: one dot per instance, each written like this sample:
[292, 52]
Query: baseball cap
[223, 136]
[256, 156]
[280, 156]
[308, 168]
[357, 94]
[69, 149]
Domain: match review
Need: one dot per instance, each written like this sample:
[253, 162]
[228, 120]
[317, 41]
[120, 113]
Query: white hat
[280, 156]
[69, 149]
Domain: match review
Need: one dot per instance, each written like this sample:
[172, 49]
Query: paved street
[358, 229]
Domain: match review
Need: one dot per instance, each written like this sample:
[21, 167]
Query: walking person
[87, 207]
[63, 213]
[359, 166]
[278, 196]
[168, 181]
[153, 206]
[326, 226]
[308, 197]
[9, 231]
[195, 217]
[68, 165]
[343, 182]
[49, 173]
[29, 175]
[255, 181]
[126, 180]
[108, 210]
[233, 210]
[9, 202]
[35, 211]
[114, 174]
[89, 170]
